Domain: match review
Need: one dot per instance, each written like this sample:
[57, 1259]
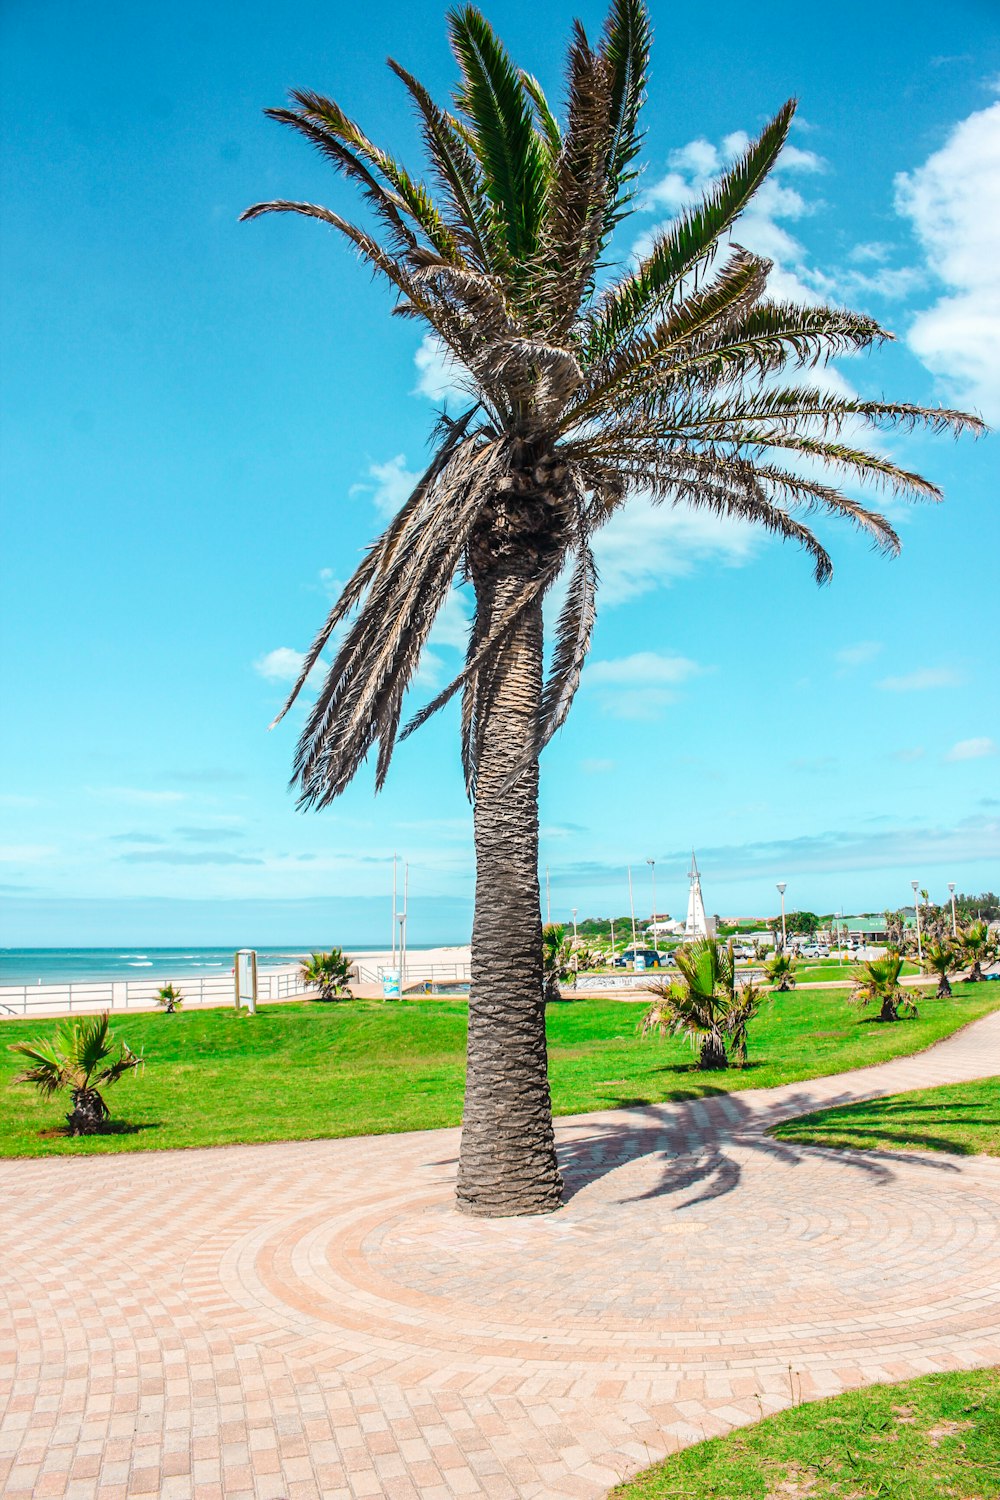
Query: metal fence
[415, 973]
[139, 994]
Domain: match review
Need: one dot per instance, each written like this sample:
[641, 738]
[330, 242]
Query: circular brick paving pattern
[314, 1319]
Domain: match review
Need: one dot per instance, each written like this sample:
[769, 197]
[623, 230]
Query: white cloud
[912, 753]
[975, 749]
[645, 545]
[597, 766]
[953, 203]
[857, 656]
[451, 627]
[25, 854]
[641, 685]
[134, 795]
[921, 680]
[283, 664]
[439, 376]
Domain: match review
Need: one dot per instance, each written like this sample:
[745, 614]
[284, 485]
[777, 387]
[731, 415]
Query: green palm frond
[625, 46]
[498, 107]
[685, 244]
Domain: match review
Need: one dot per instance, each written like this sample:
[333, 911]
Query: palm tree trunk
[944, 987]
[507, 1163]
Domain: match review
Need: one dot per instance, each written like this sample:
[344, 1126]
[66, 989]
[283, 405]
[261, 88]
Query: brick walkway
[313, 1319]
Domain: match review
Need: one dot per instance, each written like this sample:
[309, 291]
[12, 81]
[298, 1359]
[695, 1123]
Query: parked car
[651, 959]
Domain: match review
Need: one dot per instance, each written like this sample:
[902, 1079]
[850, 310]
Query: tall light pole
[612, 937]
[574, 926]
[631, 907]
[652, 865]
[954, 923]
[840, 949]
[916, 907]
[782, 887]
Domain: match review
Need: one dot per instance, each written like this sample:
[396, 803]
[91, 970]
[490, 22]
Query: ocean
[59, 965]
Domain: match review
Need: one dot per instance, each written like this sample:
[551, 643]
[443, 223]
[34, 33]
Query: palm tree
[877, 981]
[170, 997]
[583, 389]
[329, 973]
[940, 958]
[557, 960]
[976, 946]
[706, 1005]
[79, 1058]
[780, 970]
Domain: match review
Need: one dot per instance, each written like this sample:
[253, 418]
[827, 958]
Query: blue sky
[204, 422]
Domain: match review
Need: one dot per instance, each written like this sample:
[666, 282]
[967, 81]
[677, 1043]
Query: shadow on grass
[110, 1127]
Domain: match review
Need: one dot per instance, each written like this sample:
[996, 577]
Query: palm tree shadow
[687, 1144]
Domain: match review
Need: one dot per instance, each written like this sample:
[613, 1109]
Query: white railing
[415, 973]
[139, 994]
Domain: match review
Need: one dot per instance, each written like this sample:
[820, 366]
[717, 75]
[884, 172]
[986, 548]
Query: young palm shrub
[940, 958]
[80, 1057]
[705, 1004]
[328, 973]
[975, 945]
[876, 982]
[681, 379]
[170, 997]
[780, 970]
[557, 960]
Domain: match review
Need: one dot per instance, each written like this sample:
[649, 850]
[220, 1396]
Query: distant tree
[328, 973]
[170, 997]
[801, 923]
[79, 1058]
[876, 981]
[557, 960]
[985, 906]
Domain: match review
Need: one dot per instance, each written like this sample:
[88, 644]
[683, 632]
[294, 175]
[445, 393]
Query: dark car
[651, 959]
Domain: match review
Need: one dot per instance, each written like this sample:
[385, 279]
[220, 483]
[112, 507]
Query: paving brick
[313, 1321]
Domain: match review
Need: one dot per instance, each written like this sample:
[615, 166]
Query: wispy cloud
[135, 795]
[211, 835]
[921, 680]
[597, 766]
[645, 546]
[910, 753]
[284, 664]
[187, 857]
[857, 656]
[136, 838]
[974, 749]
[390, 484]
[641, 685]
[26, 854]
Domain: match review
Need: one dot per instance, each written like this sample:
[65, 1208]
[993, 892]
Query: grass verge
[302, 1071]
[936, 1438]
[960, 1117]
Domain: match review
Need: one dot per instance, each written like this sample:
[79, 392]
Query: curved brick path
[312, 1319]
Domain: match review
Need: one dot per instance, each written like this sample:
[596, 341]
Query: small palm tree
[328, 973]
[780, 970]
[79, 1058]
[170, 997]
[557, 960]
[679, 377]
[940, 958]
[976, 947]
[876, 981]
[705, 1004]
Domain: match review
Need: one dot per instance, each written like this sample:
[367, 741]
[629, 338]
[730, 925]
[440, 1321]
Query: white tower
[696, 925]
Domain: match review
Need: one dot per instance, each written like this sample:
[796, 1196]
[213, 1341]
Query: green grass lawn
[959, 1117]
[303, 1070]
[937, 1438]
[825, 972]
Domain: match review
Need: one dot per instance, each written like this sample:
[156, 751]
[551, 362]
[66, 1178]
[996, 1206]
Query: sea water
[60, 965]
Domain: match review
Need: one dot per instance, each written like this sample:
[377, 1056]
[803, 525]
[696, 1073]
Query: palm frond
[498, 107]
[573, 632]
[545, 120]
[689, 240]
[625, 46]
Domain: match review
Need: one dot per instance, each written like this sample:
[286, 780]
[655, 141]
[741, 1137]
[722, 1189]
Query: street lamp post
[954, 923]
[916, 907]
[576, 961]
[782, 887]
[840, 940]
[652, 865]
[631, 905]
